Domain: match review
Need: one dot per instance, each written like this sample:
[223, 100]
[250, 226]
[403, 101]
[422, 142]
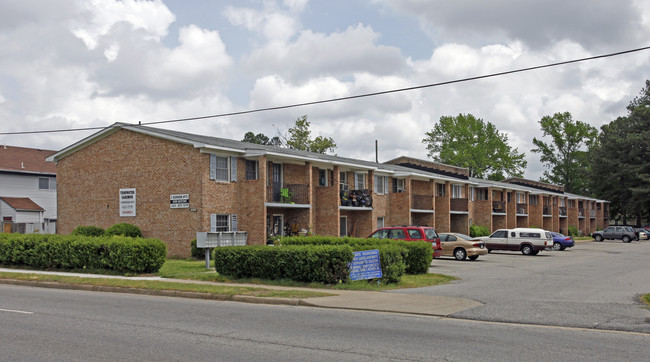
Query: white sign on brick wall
[179, 201]
[127, 202]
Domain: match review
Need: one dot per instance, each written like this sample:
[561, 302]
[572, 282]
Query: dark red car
[411, 233]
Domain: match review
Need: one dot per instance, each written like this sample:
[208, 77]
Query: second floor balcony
[459, 205]
[547, 211]
[562, 211]
[522, 209]
[498, 207]
[422, 202]
[592, 214]
[290, 194]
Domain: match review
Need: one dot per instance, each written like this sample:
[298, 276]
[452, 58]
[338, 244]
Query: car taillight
[567, 239]
[478, 245]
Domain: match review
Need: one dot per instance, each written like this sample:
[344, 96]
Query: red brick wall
[89, 181]
[483, 213]
[442, 207]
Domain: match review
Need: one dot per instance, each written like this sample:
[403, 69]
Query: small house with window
[28, 189]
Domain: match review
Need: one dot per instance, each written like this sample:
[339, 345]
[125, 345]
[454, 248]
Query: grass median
[195, 270]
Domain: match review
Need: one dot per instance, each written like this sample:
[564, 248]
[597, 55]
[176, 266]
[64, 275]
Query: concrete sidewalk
[393, 302]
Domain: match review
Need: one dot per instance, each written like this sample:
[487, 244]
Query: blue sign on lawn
[365, 265]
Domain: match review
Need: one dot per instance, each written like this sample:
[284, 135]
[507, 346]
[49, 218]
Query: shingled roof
[22, 204]
[27, 160]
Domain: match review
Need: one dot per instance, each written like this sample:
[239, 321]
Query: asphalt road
[38, 324]
[592, 285]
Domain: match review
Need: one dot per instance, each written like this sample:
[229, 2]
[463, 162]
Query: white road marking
[15, 311]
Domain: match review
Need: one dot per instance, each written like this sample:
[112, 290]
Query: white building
[27, 190]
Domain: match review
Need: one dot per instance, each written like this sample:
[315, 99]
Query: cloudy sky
[71, 64]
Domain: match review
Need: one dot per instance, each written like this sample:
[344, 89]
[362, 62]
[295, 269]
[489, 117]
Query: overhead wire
[339, 99]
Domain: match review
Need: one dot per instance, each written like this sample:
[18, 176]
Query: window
[521, 199]
[396, 234]
[381, 184]
[219, 222]
[380, 222]
[218, 168]
[509, 196]
[500, 234]
[471, 193]
[529, 235]
[322, 177]
[456, 191]
[415, 234]
[482, 194]
[441, 190]
[46, 183]
[359, 181]
[534, 199]
[344, 182]
[251, 170]
[398, 185]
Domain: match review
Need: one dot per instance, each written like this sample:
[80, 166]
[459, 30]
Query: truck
[529, 241]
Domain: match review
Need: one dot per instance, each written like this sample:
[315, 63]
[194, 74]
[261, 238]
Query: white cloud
[153, 17]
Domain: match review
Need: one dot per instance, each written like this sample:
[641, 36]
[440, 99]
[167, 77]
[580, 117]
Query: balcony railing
[562, 211]
[522, 209]
[422, 202]
[291, 194]
[459, 205]
[581, 212]
[592, 214]
[357, 198]
[499, 207]
[546, 210]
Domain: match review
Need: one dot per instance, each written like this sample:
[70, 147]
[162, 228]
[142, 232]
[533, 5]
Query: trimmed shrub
[49, 251]
[416, 255]
[197, 253]
[314, 263]
[573, 231]
[88, 231]
[477, 230]
[124, 229]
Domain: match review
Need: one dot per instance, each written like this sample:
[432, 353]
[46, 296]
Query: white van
[528, 241]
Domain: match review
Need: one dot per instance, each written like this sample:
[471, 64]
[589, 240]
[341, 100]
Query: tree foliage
[620, 160]
[567, 156]
[298, 138]
[467, 141]
[262, 139]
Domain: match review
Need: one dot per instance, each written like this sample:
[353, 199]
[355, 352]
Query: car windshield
[463, 236]
[430, 234]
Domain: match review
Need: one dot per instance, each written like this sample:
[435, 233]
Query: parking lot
[592, 285]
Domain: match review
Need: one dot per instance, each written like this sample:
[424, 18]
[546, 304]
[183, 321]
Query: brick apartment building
[174, 184]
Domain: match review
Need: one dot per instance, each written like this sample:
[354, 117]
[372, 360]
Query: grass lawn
[646, 299]
[195, 270]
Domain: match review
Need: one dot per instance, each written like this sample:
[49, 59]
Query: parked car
[561, 242]
[641, 233]
[527, 240]
[625, 233]
[411, 233]
[462, 246]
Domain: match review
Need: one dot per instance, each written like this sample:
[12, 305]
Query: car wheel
[598, 238]
[626, 239]
[460, 254]
[557, 247]
[535, 252]
[527, 250]
[473, 257]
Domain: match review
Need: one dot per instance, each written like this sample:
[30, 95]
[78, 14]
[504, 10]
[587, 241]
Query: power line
[296, 105]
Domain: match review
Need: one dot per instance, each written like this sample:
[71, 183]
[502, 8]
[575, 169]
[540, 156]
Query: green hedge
[315, 263]
[124, 229]
[416, 255]
[478, 230]
[88, 231]
[48, 251]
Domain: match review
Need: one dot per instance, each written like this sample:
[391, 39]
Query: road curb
[153, 292]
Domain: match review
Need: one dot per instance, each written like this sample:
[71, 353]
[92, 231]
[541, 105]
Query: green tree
[467, 141]
[620, 161]
[262, 139]
[567, 156]
[300, 138]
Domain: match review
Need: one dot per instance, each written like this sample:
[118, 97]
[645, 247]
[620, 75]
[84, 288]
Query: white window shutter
[376, 186]
[233, 168]
[233, 222]
[386, 185]
[213, 167]
[213, 223]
